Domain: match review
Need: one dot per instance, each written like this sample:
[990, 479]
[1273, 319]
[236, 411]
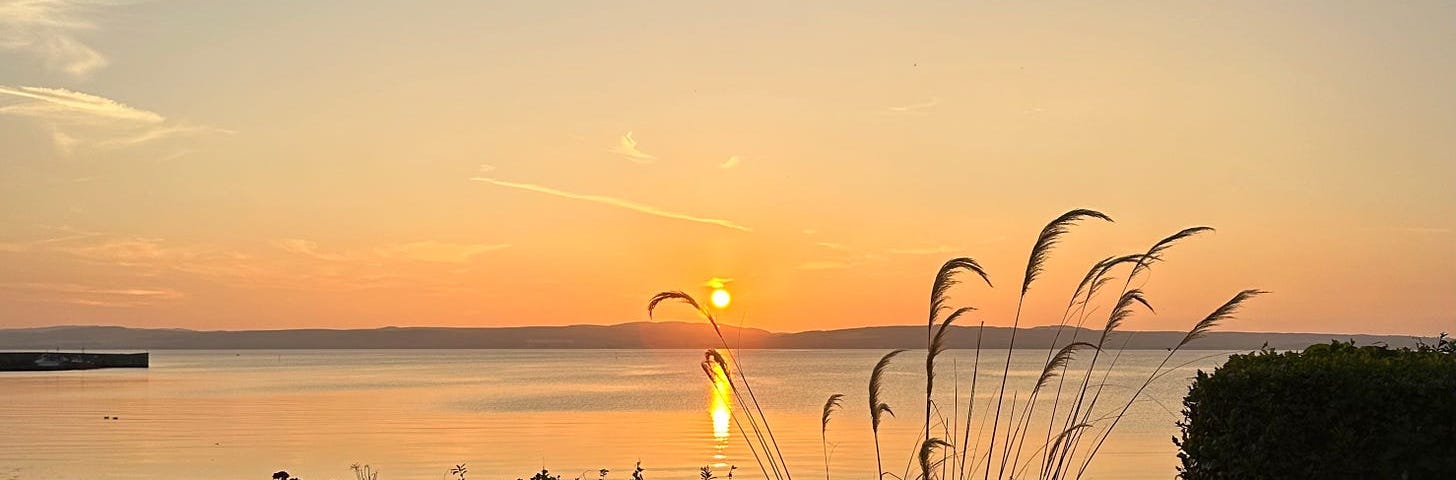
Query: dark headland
[47, 361]
[640, 335]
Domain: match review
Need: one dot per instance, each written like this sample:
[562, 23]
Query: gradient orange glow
[246, 165]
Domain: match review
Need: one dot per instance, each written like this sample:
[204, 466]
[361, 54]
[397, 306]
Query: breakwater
[40, 361]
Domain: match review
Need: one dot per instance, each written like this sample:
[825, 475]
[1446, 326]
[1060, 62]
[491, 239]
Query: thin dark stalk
[1224, 312]
[879, 408]
[741, 431]
[971, 402]
[1048, 238]
[766, 430]
[713, 360]
[830, 405]
[945, 278]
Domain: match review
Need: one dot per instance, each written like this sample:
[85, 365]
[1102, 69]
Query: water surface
[412, 414]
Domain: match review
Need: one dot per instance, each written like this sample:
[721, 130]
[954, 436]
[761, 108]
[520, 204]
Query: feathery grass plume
[927, 449]
[937, 345]
[712, 358]
[766, 431]
[1049, 237]
[1155, 253]
[1058, 361]
[688, 299]
[1142, 262]
[1093, 281]
[830, 405]
[708, 368]
[1102, 278]
[1122, 311]
[946, 278]
[1223, 312]
[877, 407]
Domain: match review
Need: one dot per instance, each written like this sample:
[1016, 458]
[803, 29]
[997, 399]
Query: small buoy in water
[106, 418]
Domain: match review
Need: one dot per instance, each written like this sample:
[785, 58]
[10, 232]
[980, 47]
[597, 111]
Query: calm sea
[413, 414]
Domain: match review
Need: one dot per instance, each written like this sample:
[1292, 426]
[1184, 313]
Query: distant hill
[640, 335]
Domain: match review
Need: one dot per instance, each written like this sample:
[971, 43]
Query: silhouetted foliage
[544, 475]
[283, 475]
[1444, 344]
[1066, 452]
[1331, 411]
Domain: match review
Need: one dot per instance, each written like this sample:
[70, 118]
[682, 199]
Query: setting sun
[721, 298]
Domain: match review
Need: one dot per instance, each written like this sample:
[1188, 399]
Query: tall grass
[1063, 452]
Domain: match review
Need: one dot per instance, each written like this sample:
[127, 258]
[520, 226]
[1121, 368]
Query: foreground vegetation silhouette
[1331, 411]
[1072, 436]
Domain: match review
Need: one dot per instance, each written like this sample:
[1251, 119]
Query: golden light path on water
[719, 409]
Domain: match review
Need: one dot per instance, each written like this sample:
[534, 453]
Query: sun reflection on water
[720, 410]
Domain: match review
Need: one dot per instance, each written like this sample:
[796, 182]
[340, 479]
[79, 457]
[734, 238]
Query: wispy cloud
[731, 162]
[615, 202]
[82, 119]
[833, 246]
[915, 107]
[59, 103]
[422, 251]
[930, 250]
[294, 264]
[627, 147]
[89, 295]
[50, 29]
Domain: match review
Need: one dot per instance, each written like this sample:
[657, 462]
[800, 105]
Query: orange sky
[351, 164]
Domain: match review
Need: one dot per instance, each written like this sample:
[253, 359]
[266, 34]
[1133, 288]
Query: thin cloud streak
[89, 295]
[926, 105]
[731, 162]
[82, 119]
[615, 202]
[59, 102]
[48, 29]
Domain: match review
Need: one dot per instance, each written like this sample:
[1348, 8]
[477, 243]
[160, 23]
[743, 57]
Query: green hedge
[1332, 411]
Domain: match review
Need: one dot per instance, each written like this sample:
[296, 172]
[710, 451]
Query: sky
[352, 164]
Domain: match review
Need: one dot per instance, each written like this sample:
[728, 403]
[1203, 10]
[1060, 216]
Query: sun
[720, 298]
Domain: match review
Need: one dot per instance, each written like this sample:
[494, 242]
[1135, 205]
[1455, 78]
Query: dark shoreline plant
[1331, 411]
[1059, 451]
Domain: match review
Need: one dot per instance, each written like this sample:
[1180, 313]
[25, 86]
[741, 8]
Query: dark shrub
[1332, 411]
